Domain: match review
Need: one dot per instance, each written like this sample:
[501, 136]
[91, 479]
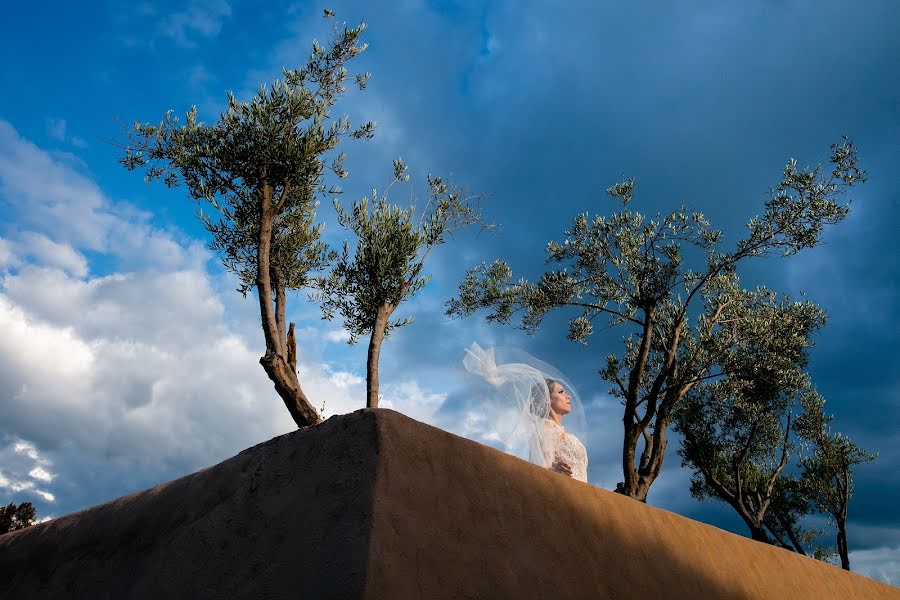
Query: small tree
[827, 473]
[261, 166]
[737, 431]
[367, 286]
[629, 269]
[14, 517]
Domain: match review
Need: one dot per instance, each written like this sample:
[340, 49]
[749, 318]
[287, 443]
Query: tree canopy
[14, 517]
[738, 431]
[827, 473]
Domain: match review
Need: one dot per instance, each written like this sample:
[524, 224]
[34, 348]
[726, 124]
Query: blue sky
[128, 359]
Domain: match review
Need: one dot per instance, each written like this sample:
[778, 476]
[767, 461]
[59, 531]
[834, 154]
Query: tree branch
[671, 351]
[784, 456]
[280, 301]
[637, 372]
[284, 192]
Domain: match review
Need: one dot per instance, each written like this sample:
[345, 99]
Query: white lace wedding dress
[565, 447]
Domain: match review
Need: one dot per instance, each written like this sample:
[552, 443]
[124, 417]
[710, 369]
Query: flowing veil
[515, 400]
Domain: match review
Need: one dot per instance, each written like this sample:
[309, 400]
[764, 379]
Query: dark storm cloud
[543, 105]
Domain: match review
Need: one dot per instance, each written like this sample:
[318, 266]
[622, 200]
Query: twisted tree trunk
[842, 544]
[292, 348]
[374, 353]
[275, 361]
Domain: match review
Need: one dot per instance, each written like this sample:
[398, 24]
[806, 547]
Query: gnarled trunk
[292, 348]
[275, 361]
[758, 533]
[792, 535]
[842, 543]
[632, 485]
[640, 475]
[374, 353]
[288, 387]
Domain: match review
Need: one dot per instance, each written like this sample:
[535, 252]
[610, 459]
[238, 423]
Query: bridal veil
[516, 400]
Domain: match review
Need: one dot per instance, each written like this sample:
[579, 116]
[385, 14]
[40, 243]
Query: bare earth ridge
[376, 505]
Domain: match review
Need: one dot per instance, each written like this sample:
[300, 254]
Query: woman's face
[560, 402]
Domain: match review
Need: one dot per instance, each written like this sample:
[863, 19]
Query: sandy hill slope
[376, 505]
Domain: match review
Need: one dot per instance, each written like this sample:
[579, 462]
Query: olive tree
[629, 269]
[737, 432]
[759, 441]
[828, 472]
[366, 286]
[260, 166]
[13, 518]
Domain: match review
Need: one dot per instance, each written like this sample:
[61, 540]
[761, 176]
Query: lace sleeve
[562, 446]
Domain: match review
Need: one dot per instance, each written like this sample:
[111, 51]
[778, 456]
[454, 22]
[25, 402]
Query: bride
[528, 401]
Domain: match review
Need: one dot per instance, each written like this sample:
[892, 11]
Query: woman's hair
[540, 397]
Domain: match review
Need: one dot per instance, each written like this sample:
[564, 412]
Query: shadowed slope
[377, 505]
[290, 515]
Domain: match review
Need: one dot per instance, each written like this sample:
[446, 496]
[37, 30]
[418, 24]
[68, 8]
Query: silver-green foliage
[738, 431]
[386, 265]
[261, 167]
[827, 472]
[277, 141]
[759, 441]
[631, 269]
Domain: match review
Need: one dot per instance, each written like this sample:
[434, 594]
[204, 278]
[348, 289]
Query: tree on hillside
[630, 270]
[14, 517]
[739, 436]
[827, 473]
[738, 433]
[261, 167]
[367, 286]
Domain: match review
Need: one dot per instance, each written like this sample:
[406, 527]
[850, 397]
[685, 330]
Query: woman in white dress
[563, 451]
[526, 408]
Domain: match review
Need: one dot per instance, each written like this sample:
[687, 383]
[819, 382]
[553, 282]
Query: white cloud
[56, 128]
[882, 564]
[6, 253]
[51, 196]
[40, 474]
[201, 19]
[51, 253]
[476, 426]
[409, 398]
[23, 470]
[24, 448]
[124, 380]
[343, 379]
[134, 372]
[28, 344]
[335, 335]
